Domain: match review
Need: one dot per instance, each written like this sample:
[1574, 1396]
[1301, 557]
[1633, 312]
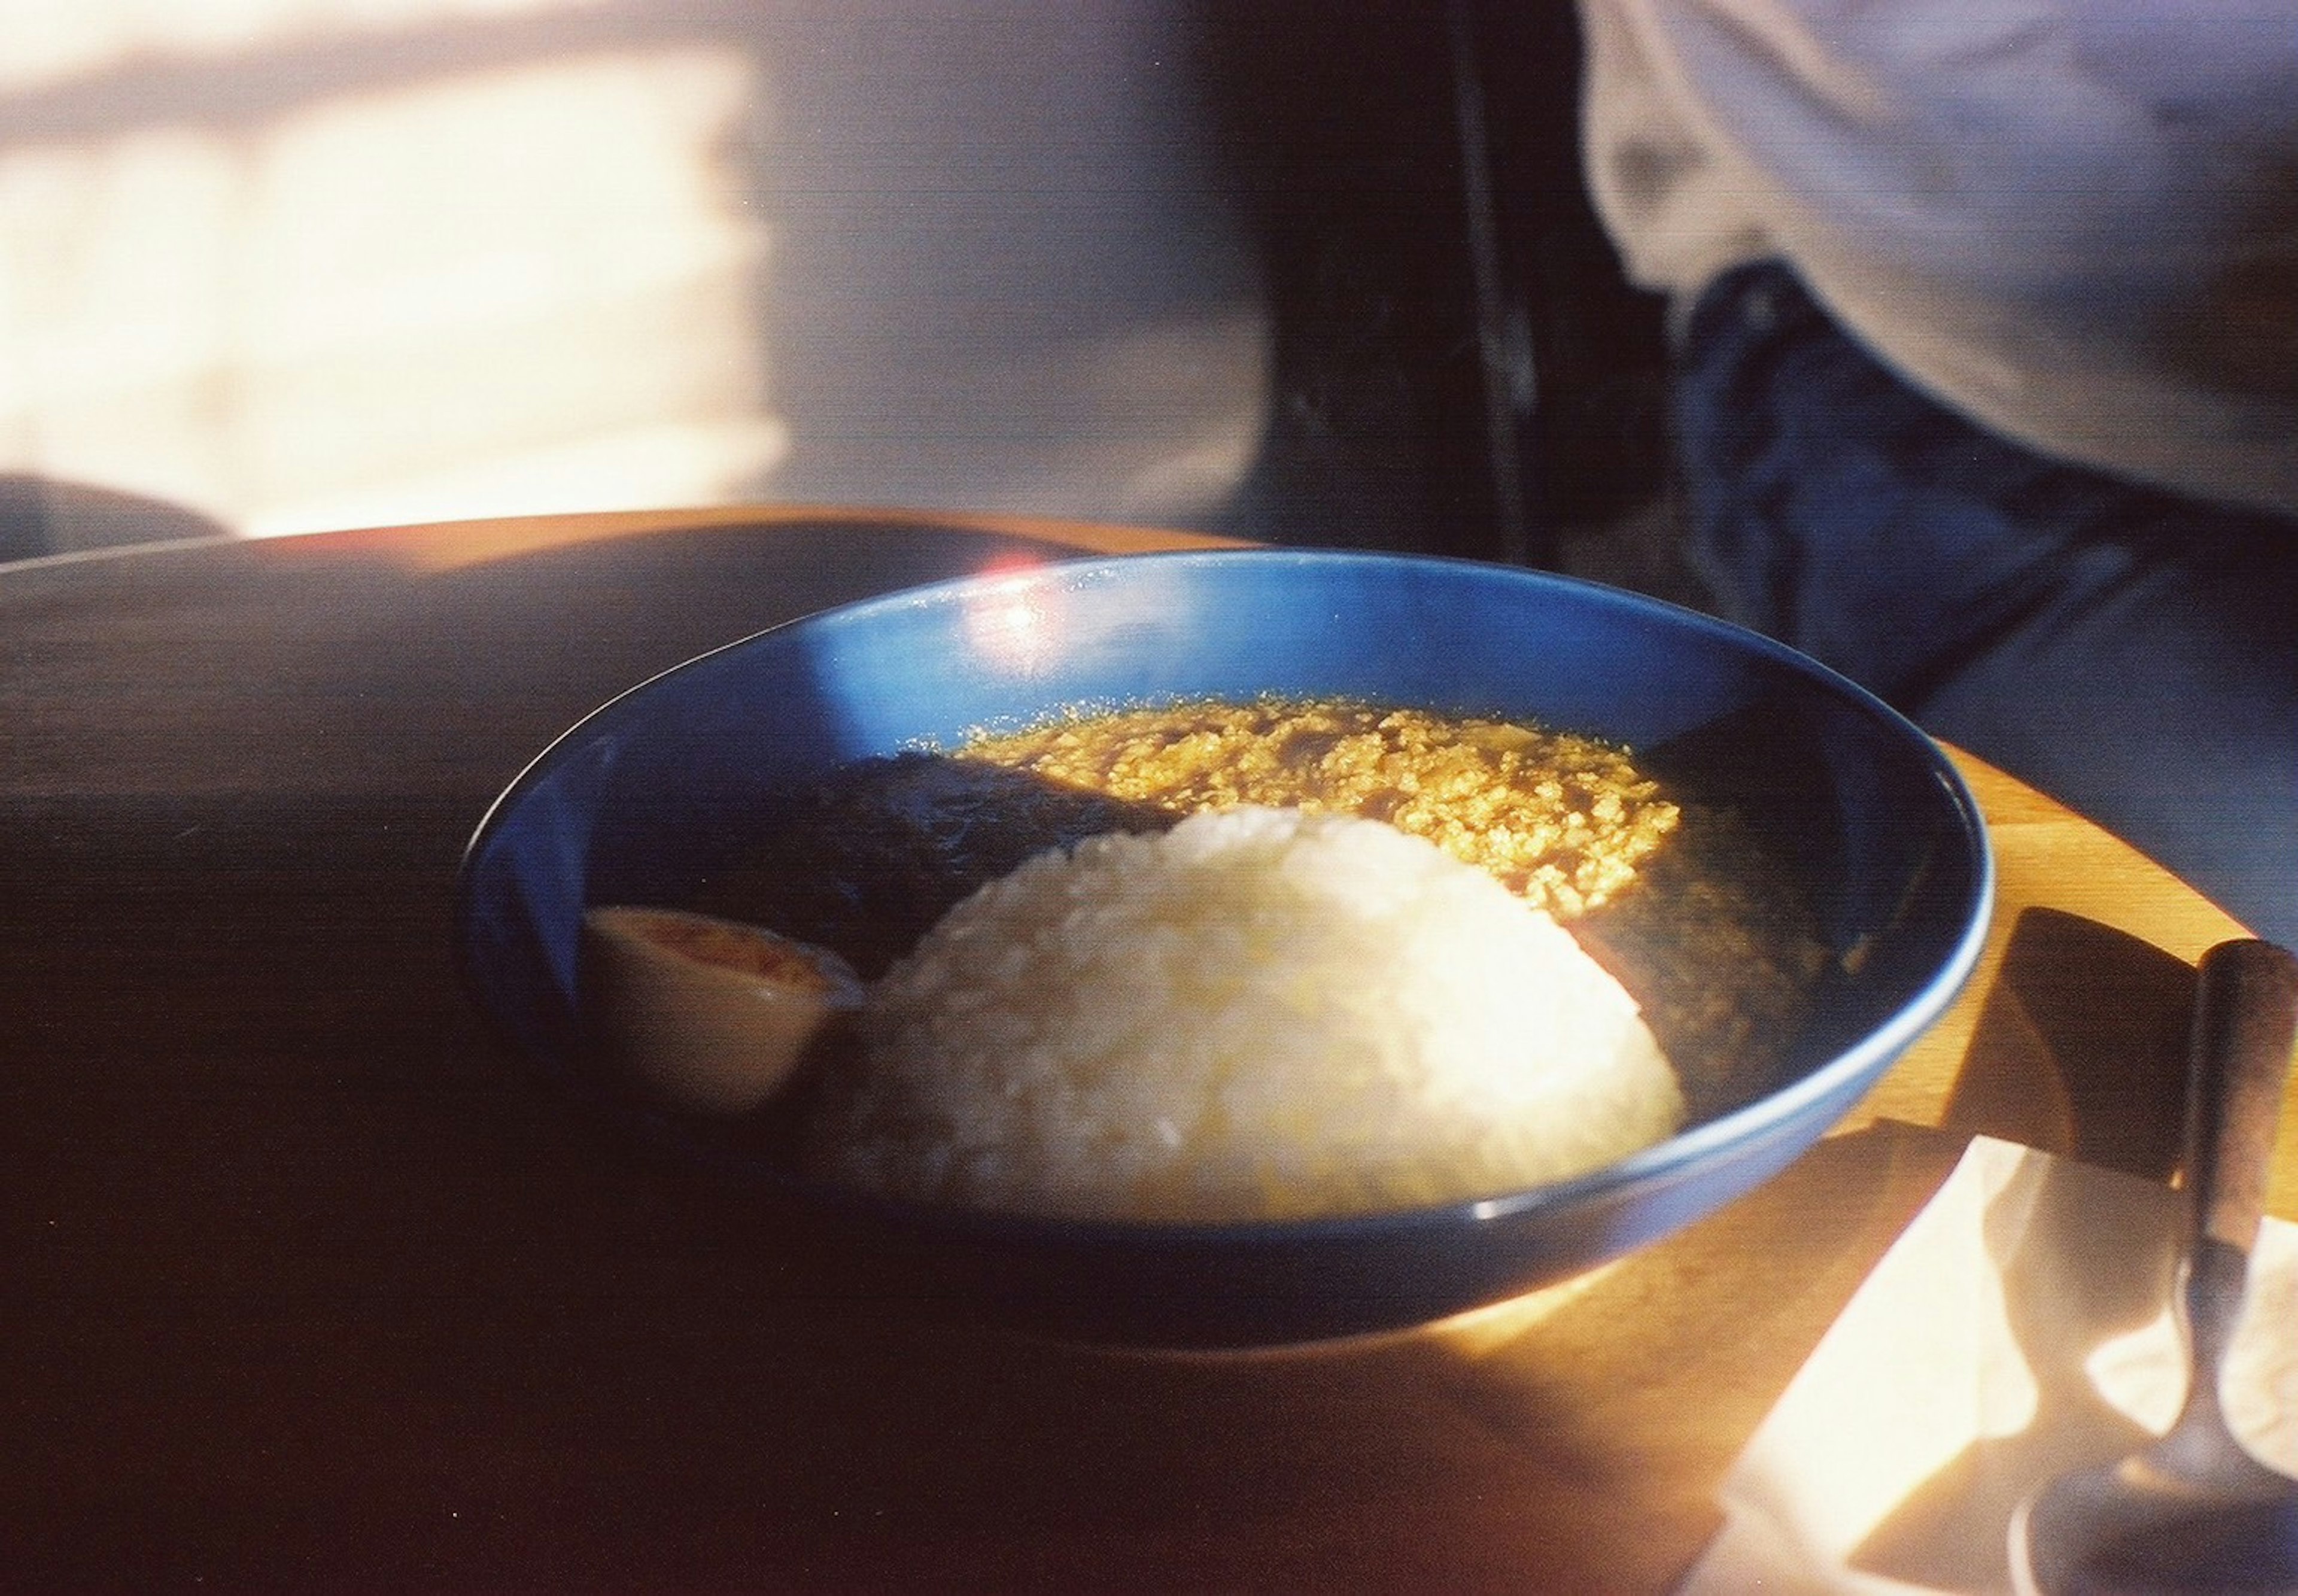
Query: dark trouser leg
[2132, 653]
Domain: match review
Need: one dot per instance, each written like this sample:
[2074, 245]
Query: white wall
[297, 264]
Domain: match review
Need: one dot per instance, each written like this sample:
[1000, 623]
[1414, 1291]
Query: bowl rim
[1653, 1167]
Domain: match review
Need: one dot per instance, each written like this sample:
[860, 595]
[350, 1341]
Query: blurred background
[1316, 273]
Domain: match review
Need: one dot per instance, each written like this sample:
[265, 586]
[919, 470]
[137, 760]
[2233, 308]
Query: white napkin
[2019, 1326]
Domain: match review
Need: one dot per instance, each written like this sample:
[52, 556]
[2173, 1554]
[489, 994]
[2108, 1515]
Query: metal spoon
[2194, 1511]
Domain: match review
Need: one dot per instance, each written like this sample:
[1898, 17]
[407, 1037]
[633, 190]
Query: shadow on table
[40, 516]
[2080, 1047]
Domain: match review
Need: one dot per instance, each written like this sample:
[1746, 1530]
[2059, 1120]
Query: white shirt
[2075, 220]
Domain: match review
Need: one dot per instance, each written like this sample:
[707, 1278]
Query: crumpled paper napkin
[2020, 1326]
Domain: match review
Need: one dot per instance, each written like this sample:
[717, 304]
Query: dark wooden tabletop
[307, 1285]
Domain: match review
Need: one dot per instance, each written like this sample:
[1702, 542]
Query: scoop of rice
[1261, 1013]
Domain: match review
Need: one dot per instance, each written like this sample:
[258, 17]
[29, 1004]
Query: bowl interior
[649, 797]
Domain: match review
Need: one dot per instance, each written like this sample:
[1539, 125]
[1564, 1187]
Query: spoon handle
[2245, 1019]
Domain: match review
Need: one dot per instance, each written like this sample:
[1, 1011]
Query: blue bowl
[643, 800]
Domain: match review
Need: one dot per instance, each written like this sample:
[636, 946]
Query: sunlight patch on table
[1481, 1331]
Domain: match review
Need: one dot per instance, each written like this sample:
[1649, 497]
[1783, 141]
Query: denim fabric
[2131, 653]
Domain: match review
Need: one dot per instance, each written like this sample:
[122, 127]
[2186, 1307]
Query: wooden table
[305, 1289]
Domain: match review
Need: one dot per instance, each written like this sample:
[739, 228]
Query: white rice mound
[1262, 1015]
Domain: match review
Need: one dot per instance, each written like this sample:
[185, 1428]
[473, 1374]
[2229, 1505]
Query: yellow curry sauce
[1561, 821]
